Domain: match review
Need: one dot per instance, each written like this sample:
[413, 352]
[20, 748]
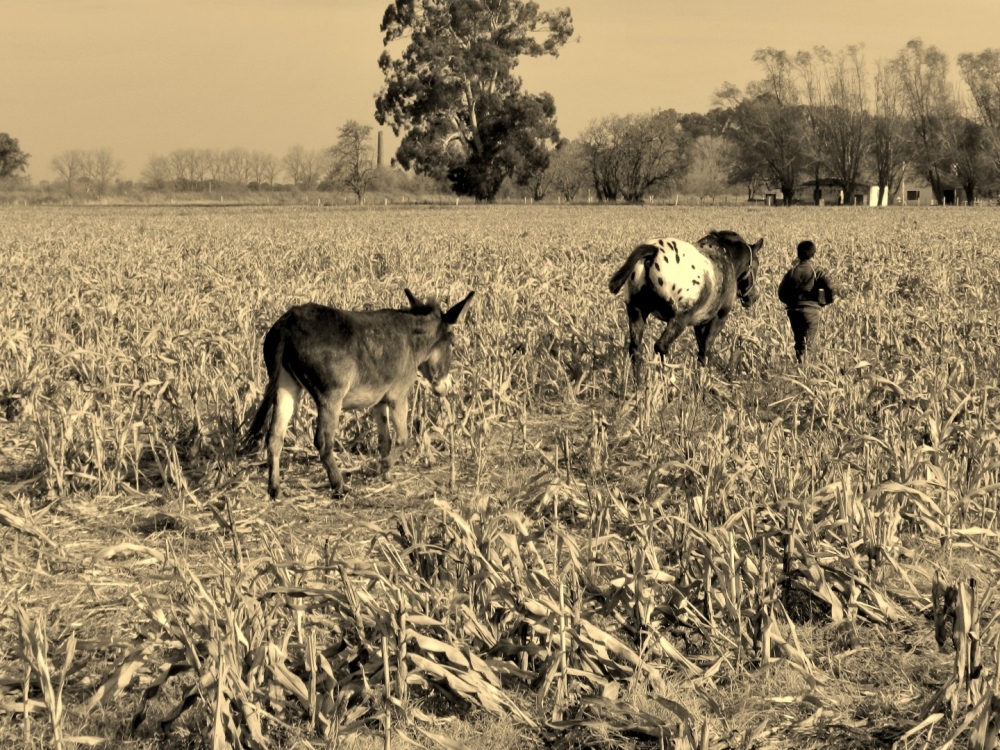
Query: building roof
[830, 182]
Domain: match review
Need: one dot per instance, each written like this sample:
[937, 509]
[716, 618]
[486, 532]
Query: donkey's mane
[427, 307]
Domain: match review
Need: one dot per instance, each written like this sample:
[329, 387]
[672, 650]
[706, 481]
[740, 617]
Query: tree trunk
[787, 193]
[849, 190]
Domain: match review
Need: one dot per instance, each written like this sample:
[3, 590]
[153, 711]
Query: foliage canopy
[12, 158]
[454, 94]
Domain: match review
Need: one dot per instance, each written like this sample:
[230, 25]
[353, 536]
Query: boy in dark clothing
[804, 290]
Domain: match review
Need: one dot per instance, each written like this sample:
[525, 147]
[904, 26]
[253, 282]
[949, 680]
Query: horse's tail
[272, 357]
[641, 253]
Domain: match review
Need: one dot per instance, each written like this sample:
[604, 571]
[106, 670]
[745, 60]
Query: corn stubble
[748, 555]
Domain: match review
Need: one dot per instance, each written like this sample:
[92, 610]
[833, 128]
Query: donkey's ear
[451, 316]
[758, 245]
[414, 302]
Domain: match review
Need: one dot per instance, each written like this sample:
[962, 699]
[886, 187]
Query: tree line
[464, 120]
[818, 114]
[350, 163]
[812, 116]
[452, 95]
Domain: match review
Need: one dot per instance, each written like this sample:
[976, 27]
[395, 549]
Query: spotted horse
[686, 285]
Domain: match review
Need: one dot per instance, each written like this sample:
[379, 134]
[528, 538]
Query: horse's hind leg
[674, 329]
[328, 408]
[286, 397]
[636, 327]
[705, 334]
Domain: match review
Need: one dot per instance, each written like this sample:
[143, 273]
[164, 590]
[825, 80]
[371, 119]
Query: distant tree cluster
[304, 168]
[628, 156]
[825, 115]
[815, 116]
[206, 169]
[349, 163]
[87, 171]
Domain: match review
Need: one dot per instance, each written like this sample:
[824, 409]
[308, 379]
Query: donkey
[686, 285]
[351, 360]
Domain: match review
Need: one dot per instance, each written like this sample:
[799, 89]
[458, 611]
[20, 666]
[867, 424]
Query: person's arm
[823, 282]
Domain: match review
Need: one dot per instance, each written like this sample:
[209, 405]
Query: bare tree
[600, 142]
[970, 155]
[179, 168]
[303, 166]
[891, 143]
[981, 74]
[708, 176]
[291, 164]
[631, 154]
[157, 172]
[196, 167]
[269, 169]
[238, 168]
[568, 169]
[100, 167]
[847, 122]
[257, 165]
[929, 105]
[69, 165]
[215, 166]
[810, 68]
[354, 158]
[769, 129]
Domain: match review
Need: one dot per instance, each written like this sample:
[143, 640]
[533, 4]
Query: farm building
[915, 192]
[831, 193]
[918, 192]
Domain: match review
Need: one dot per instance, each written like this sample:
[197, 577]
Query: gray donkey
[350, 360]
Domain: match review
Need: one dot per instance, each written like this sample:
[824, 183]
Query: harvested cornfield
[748, 555]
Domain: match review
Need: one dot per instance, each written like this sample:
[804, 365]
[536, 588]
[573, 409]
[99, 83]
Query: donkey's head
[437, 365]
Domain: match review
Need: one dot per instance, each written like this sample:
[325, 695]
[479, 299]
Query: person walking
[805, 289]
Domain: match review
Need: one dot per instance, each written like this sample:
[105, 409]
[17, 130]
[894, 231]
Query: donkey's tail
[255, 433]
[641, 253]
[272, 355]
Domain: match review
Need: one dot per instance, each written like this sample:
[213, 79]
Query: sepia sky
[146, 77]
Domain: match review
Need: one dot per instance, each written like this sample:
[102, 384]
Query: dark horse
[686, 285]
[350, 360]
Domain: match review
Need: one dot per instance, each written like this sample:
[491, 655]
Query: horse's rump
[641, 253]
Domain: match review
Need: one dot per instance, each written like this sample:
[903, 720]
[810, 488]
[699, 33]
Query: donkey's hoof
[273, 492]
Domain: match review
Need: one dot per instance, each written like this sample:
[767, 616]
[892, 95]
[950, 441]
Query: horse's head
[746, 261]
[746, 272]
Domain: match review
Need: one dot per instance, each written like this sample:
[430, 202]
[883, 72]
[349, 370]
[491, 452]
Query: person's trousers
[805, 328]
